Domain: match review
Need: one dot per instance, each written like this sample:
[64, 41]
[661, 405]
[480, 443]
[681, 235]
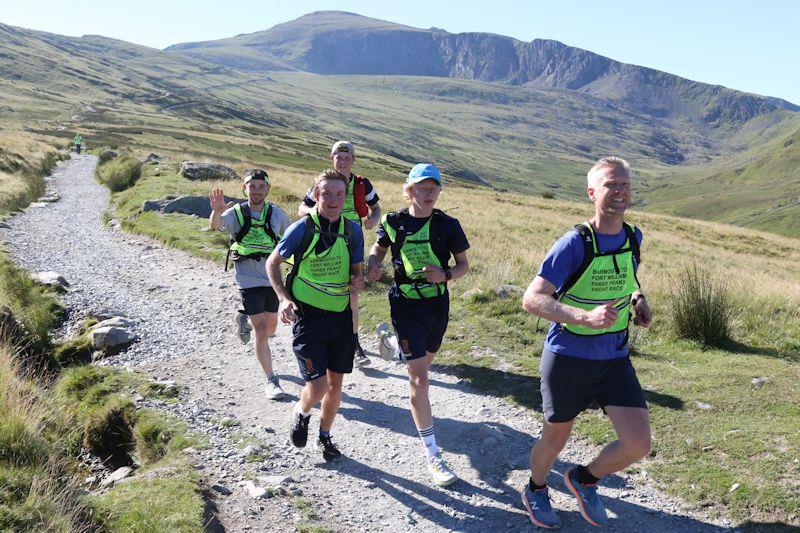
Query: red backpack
[360, 196]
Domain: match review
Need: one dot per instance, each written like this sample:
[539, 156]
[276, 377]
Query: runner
[78, 140]
[362, 201]
[327, 250]
[421, 239]
[255, 227]
[587, 287]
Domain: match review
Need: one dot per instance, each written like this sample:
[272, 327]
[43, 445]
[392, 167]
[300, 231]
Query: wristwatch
[636, 298]
[447, 274]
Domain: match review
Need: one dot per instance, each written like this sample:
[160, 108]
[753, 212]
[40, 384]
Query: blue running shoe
[540, 511]
[589, 503]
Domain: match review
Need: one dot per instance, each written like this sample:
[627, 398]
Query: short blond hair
[607, 162]
[329, 175]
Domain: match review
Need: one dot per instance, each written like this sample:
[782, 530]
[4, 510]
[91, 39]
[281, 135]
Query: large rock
[53, 279]
[507, 291]
[116, 476]
[111, 338]
[207, 171]
[188, 205]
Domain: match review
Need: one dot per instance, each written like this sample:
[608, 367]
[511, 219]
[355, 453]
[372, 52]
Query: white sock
[298, 410]
[429, 441]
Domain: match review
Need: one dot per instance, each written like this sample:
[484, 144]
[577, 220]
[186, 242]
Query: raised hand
[217, 200]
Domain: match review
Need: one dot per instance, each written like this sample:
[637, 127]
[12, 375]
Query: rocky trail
[184, 309]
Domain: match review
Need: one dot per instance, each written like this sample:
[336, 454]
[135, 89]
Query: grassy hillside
[703, 402]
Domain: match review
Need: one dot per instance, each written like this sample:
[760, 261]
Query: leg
[553, 439]
[264, 325]
[331, 400]
[632, 425]
[313, 392]
[418, 390]
[354, 309]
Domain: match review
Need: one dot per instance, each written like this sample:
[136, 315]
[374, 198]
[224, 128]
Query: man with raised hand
[362, 201]
[587, 287]
[327, 250]
[255, 227]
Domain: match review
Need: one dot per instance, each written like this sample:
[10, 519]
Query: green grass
[119, 173]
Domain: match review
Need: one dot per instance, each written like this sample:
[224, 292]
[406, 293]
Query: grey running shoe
[360, 359]
[243, 327]
[440, 471]
[387, 343]
[273, 388]
[537, 503]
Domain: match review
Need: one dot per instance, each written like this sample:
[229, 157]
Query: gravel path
[184, 308]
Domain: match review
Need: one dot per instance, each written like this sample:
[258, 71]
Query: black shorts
[420, 324]
[257, 300]
[323, 341]
[570, 385]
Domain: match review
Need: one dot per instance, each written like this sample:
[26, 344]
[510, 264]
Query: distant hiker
[587, 287]
[362, 201]
[255, 227]
[78, 140]
[327, 250]
[421, 239]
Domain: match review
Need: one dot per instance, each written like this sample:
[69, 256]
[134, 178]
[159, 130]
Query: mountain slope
[335, 42]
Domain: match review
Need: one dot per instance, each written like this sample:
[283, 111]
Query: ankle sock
[429, 441]
[533, 486]
[585, 477]
[323, 433]
[299, 411]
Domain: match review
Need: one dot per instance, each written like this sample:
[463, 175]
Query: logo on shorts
[309, 365]
[405, 350]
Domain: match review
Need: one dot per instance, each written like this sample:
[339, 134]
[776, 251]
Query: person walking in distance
[255, 227]
[327, 250]
[587, 287]
[422, 240]
[361, 203]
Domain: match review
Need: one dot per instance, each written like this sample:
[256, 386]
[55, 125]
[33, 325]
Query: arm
[538, 300]
[303, 209]
[373, 217]
[642, 315]
[435, 274]
[218, 206]
[356, 277]
[287, 308]
[375, 262]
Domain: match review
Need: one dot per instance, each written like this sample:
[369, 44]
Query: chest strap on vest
[400, 276]
[246, 223]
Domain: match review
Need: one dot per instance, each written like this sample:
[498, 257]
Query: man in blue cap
[422, 240]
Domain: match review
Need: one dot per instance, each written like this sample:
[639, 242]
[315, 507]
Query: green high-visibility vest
[323, 279]
[410, 254]
[78, 139]
[603, 278]
[255, 238]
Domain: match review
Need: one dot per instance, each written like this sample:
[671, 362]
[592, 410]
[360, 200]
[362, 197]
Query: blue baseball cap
[424, 171]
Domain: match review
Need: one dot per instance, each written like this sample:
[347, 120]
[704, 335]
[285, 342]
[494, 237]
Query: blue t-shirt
[294, 235]
[562, 261]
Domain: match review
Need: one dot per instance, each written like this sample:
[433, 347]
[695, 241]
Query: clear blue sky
[750, 46]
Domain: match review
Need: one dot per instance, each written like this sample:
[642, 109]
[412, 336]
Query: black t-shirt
[449, 239]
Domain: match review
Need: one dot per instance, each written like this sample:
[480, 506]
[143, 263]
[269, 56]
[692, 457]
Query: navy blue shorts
[570, 385]
[323, 341]
[420, 324]
[257, 300]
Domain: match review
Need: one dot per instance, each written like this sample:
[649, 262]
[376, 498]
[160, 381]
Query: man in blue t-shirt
[587, 287]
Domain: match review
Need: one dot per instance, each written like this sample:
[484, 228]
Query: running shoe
[360, 359]
[243, 327]
[329, 450]
[589, 503]
[273, 388]
[541, 513]
[387, 343]
[299, 430]
[440, 470]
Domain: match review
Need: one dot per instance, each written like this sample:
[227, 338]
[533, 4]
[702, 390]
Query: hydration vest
[322, 279]
[603, 277]
[411, 253]
[255, 239]
[355, 204]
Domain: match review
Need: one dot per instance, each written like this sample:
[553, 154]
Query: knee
[418, 382]
[555, 442]
[638, 446]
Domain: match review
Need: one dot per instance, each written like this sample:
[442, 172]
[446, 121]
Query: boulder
[188, 205]
[53, 279]
[152, 158]
[207, 171]
[111, 338]
[117, 321]
[116, 476]
[475, 291]
[507, 291]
